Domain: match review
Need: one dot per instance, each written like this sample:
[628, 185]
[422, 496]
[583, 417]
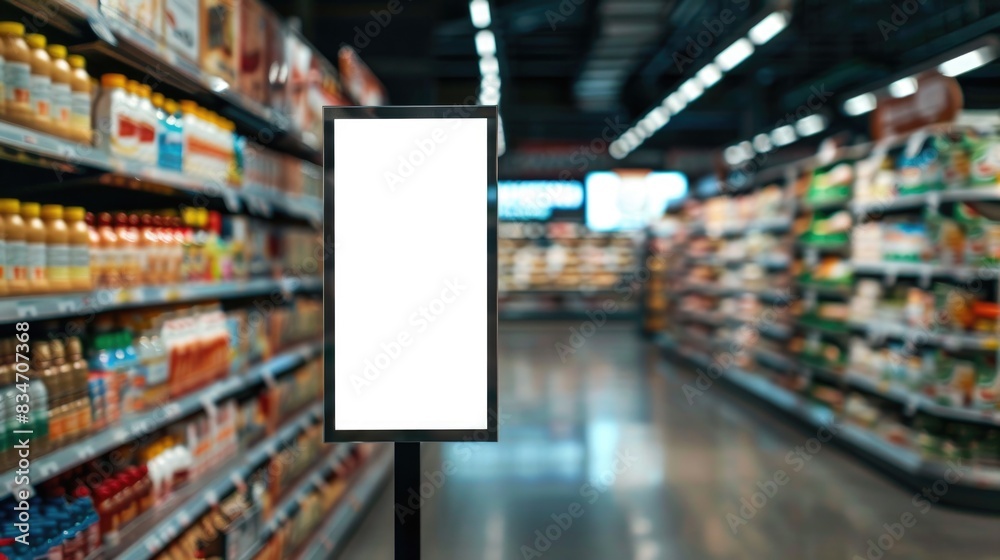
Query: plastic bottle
[57, 255]
[3, 96]
[91, 522]
[35, 235]
[16, 270]
[3, 256]
[17, 74]
[62, 92]
[48, 418]
[149, 245]
[114, 117]
[79, 248]
[135, 238]
[126, 250]
[41, 82]
[81, 100]
[72, 423]
[111, 253]
[171, 138]
[96, 252]
[146, 124]
[189, 117]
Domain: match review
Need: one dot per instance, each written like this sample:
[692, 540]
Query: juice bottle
[111, 255]
[17, 74]
[96, 252]
[135, 238]
[41, 362]
[80, 100]
[79, 248]
[41, 82]
[3, 256]
[16, 269]
[149, 246]
[62, 92]
[114, 118]
[57, 259]
[62, 372]
[35, 235]
[126, 250]
[146, 124]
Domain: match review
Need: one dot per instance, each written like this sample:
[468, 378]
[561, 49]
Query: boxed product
[299, 61]
[985, 168]
[145, 15]
[258, 29]
[218, 38]
[181, 24]
[831, 182]
[920, 172]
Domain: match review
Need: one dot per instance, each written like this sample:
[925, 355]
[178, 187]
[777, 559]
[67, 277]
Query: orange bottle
[111, 261]
[127, 250]
[35, 236]
[56, 248]
[151, 252]
[3, 255]
[17, 74]
[16, 270]
[41, 82]
[62, 92]
[79, 248]
[81, 100]
[96, 251]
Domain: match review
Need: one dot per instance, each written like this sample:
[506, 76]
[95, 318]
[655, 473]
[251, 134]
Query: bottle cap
[10, 205]
[52, 212]
[76, 61]
[12, 28]
[144, 91]
[189, 107]
[74, 213]
[57, 51]
[35, 40]
[30, 209]
[113, 81]
[132, 87]
[157, 99]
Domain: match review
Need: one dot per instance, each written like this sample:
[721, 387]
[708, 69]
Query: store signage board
[938, 99]
[410, 289]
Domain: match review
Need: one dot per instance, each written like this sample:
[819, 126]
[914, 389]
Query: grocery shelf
[717, 290]
[85, 303]
[141, 425]
[951, 341]
[359, 496]
[713, 319]
[164, 524]
[765, 225]
[293, 498]
[984, 193]
[913, 269]
[78, 155]
[978, 487]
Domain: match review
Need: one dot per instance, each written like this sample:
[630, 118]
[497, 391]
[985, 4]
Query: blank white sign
[410, 274]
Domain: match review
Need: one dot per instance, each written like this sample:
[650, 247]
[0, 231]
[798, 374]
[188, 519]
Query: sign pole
[406, 479]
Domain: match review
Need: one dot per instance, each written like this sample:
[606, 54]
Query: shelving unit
[798, 374]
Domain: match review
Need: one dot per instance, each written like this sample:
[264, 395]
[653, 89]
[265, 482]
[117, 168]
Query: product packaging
[218, 38]
[182, 27]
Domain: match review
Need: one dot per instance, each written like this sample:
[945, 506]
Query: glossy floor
[607, 444]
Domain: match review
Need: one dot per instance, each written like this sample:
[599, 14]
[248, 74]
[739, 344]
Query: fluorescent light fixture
[617, 151]
[486, 43]
[692, 89]
[479, 11]
[734, 54]
[646, 126]
[813, 124]
[904, 87]
[762, 143]
[967, 62]
[709, 75]
[489, 97]
[747, 148]
[769, 27]
[733, 155]
[631, 138]
[490, 80]
[219, 85]
[489, 65]
[676, 102]
[860, 104]
[783, 135]
[657, 118]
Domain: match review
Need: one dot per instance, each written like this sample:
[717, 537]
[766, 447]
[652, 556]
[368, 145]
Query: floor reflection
[603, 457]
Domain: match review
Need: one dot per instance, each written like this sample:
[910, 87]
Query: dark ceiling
[567, 65]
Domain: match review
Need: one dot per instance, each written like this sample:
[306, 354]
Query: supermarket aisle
[610, 437]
